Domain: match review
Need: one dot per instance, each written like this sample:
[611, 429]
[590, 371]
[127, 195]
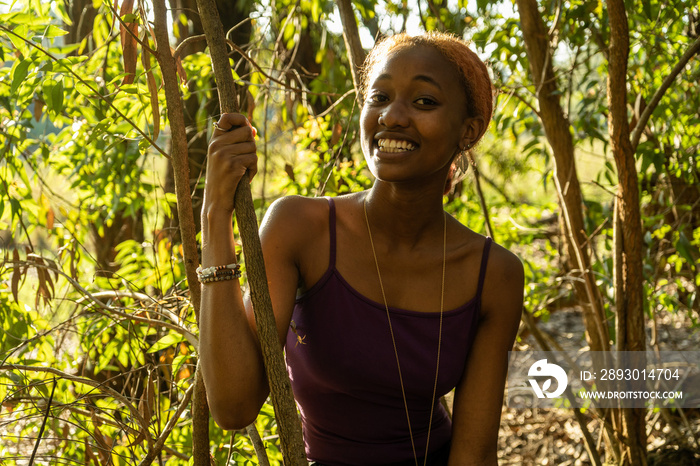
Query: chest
[342, 340]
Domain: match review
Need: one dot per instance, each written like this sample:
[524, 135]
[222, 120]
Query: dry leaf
[50, 216]
[45, 288]
[184, 373]
[74, 260]
[290, 171]
[141, 437]
[144, 405]
[129, 44]
[16, 275]
[89, 454]
[337, 132]
[104, 443]
[38, 109]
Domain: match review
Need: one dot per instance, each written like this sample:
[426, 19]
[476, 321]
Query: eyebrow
[421, 77]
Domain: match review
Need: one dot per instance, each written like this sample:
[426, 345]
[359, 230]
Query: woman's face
[414, 119]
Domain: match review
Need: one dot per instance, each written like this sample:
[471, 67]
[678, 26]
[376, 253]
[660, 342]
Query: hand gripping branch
[291, 439]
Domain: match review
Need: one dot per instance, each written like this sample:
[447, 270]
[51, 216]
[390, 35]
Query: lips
[395, 145]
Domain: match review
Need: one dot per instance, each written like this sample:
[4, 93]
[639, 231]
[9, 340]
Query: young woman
[384, 301]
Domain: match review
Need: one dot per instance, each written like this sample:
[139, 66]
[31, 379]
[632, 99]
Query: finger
[230, 121]
[246, 163]
[252, 165]
[237, 156]
[233, 134]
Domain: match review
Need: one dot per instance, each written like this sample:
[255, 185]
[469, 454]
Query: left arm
[479, 395]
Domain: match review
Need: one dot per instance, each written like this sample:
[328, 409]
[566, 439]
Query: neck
[407, 216]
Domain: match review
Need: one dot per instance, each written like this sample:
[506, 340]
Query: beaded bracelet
[218, 273]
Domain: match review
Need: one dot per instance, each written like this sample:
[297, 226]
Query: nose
[394, 115]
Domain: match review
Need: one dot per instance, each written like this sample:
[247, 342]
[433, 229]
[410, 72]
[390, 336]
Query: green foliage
[327, 165]
[93, 294]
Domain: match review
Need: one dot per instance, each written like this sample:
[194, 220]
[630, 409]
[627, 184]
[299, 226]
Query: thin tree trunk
[234, 14]
[82, 13]
[629, 279]
[558, 131]
[291, 439]
[351, 36]
[179, 160]
[559, 135]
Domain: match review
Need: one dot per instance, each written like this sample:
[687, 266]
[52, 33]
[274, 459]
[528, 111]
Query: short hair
[473, 74]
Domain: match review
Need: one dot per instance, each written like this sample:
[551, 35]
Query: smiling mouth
[394, 145]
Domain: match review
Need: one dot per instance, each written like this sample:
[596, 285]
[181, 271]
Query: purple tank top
[343, 370]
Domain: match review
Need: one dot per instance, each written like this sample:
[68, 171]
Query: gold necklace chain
[393, 339]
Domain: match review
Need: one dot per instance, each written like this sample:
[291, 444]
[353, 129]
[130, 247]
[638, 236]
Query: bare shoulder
[296, 210]
[296, 214]
[504, 267]
[502, 296]
[292, 223]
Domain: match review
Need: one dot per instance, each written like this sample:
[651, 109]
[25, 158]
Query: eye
[426, 101]
[377, 98]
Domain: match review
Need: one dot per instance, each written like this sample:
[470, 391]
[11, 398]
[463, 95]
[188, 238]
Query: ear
[474, 128]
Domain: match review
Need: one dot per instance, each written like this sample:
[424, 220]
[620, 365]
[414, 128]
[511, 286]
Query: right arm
[231, 359]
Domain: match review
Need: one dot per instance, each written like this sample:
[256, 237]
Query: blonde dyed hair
[473, 74]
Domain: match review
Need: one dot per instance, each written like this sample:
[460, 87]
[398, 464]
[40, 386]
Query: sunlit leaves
[73, 170]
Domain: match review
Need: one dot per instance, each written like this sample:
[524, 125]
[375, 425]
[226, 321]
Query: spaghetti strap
[331, 229]
[482, 270]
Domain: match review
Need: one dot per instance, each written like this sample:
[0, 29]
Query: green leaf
[684, 249]
[47, 89]
[168, 340]
[123, 355]
[130, 18]
[315, 11]
[60, 9]
[57, 97]
[54, 31]
[19, 74]
[20, 32]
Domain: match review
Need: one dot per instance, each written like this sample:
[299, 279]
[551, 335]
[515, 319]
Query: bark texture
[179, 160]
[291, 439]
[558, 131]
[351, 36]
[234, 15]
[629, 278]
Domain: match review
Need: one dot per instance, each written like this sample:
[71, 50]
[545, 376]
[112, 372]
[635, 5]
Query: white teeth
[394, 145]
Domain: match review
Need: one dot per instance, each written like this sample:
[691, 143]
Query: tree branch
[110, 311]
[351, 36]
[258, 445]
[291, 439]
[94, 91]
[85, 381]
[160, 443]
[43, 423]
[665, 85]
[589, 443]
[143, 44]
[181, 171]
